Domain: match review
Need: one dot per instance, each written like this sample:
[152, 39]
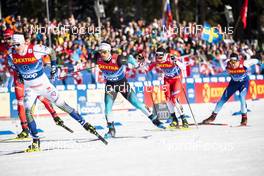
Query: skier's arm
[143, 65]
[123, 60]
[10, 63]
[53, 59]
[41, 50]
[13, 68]
[180, 64]
[250, 62]
[131, 60]
[177, 62]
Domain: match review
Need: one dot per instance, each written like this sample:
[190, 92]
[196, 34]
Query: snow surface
[142, 150]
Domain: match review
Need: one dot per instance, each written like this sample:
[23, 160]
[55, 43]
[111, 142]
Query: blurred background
[213, 11]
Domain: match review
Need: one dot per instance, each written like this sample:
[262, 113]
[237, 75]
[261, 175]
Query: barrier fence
[89, 99]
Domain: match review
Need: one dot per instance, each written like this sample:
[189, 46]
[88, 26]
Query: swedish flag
[210, 34]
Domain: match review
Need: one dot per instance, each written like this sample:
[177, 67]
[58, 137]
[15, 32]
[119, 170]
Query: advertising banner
[209, 92]
[4, 105]
[256, 89]
[91, 100]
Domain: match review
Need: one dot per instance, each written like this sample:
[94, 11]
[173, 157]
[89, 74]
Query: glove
[58, 121]
[173, 58]
[140, 57]
[53, 71]
[20, 78]
[132, 61]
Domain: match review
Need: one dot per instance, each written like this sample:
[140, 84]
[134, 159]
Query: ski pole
[185, 95]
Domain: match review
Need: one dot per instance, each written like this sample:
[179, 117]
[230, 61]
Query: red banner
[243, 13]
[204, 92]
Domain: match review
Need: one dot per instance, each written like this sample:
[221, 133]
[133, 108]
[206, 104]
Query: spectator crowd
[76, 43]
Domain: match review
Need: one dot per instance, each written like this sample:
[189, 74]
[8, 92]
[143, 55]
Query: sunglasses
[7, 39]
[103, 52]
[159, 55]
[16, 45]
[233, 61]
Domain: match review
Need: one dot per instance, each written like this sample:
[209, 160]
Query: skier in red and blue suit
[113, 69]
[238, 71]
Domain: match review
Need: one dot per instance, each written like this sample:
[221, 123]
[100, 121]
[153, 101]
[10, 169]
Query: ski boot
[111, 130]
[210, 119]
[243, 120]
[23, 134]
[156, 121]
[174, 123]
[184, 122]
[34, 147]
[90, 128]
[169, 120]
[58, 121]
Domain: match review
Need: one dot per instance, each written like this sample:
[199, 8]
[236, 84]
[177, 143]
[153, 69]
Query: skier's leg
[229, 91]
[19, 91]
[110, 96]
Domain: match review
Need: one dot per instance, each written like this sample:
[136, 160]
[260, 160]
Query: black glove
[121, 60]
[20, 78]
[53, 71]
[140, 58]
[173, 58]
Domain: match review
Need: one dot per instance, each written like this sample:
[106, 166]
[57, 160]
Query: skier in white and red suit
[172, 70]
[19, 90]
[26, 60]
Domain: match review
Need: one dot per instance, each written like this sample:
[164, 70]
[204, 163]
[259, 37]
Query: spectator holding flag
[167, 15]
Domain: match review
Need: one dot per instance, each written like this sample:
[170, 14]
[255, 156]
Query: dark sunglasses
[159, 55]
[16, 45]
[7, 39]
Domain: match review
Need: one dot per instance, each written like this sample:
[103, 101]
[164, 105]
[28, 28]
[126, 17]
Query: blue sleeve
[10, 63]
[132, 61]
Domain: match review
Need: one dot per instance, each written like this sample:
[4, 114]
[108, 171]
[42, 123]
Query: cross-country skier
[19, 92]
[26, 60]
[171, 68]
[113, 69]
[238, 70]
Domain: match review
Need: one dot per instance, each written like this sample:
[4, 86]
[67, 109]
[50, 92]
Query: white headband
[233, 58]
[18, 39]
[105, 47]
[160, 53]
